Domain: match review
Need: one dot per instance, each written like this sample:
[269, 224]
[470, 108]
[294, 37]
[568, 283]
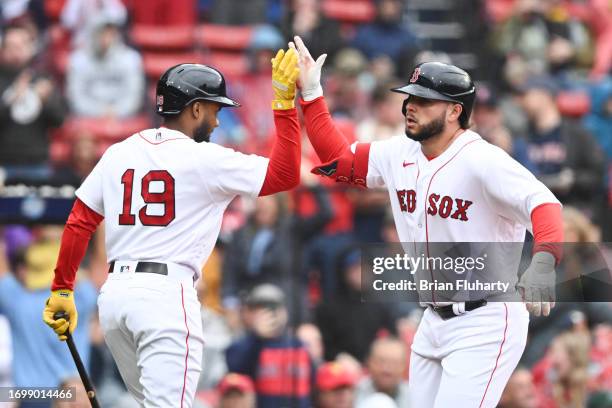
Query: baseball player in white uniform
[447, 184]
[162, 194]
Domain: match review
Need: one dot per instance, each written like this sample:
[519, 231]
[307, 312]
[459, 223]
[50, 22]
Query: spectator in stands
[239, 12]
[277, 362]
[564, 384]
[386, 37]
[543, 36]
[488, 121]
[387, 366]
[599, 123]
[386, 119]
[335, 386]
[307, 20]
[105, 77]
[346, 323]
[310, 335]
[29, 107]
[520, 392]
[259, 252]
[567, 158]
[81, 17]
[349, 85]
[236, 391]
[39, 359]
[75, 386]
[256, 117]
[83, 157]
[217, 334]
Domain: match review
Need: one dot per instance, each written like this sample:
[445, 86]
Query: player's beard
[202, 133]
[433, 128]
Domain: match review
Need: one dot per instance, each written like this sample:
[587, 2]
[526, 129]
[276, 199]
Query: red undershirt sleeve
[547, 222]
[327, 141]
[284, 167]
[81, 224]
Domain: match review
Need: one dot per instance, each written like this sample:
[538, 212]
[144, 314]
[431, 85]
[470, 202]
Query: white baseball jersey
[163, 195]
[472, 192]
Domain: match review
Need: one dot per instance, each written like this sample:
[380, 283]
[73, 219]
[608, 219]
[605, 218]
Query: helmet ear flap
[405, 107]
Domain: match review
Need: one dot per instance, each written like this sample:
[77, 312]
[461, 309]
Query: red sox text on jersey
[443, 206]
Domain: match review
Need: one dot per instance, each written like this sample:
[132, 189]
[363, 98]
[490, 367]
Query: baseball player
[447, 184]
[162, 193]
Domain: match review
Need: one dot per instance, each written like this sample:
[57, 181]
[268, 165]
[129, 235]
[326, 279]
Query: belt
[145, 267]
[450, 311]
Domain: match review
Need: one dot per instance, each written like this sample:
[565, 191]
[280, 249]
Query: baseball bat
[91, 393]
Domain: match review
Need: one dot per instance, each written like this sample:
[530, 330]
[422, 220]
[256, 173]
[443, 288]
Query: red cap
[334, 375]
[233, 381]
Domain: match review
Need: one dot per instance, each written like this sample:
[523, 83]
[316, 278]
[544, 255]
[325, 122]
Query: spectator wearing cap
[567, 158]
[105, 77]
[29, 107]
[278, 363]
[236, 391]
[489, 123]
[387, 366]
[335, 386]
[346, 323]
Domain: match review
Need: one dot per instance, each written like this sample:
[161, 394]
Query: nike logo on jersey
[443, 206]
[406, 164]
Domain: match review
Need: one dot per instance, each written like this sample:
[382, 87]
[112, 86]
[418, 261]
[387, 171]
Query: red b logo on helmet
[415, 75]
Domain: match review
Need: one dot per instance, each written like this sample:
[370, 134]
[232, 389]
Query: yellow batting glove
[285, 73]
[61, 300]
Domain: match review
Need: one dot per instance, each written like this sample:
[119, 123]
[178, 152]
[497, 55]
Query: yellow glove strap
[283, 104]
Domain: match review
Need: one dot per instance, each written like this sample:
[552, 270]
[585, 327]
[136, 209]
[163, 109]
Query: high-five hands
[284, 77]
[310, 70]
[537, 284]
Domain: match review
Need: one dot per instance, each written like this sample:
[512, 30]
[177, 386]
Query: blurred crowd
[283, 320]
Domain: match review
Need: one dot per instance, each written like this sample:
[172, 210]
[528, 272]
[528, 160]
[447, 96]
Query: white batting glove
[310, 71]
[538, 284]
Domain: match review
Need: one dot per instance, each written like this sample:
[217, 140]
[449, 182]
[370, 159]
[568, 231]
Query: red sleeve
[81, 224]
[547, 222]
[326, 139]
[284, 167]
[332, 147]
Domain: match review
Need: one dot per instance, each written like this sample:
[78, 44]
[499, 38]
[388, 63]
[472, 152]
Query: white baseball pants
[152, 326]
[466, 361]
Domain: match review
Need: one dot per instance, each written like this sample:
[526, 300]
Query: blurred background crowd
[284, 324]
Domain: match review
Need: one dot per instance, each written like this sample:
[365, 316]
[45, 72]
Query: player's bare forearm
[327, 140]
[81, 224]
[285, 158]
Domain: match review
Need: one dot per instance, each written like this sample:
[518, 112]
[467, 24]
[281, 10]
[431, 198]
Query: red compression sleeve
[327, 141]
[81, 224]
[284, 167]
[547, 222]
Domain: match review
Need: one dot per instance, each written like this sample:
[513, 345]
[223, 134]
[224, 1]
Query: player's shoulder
[401, 145]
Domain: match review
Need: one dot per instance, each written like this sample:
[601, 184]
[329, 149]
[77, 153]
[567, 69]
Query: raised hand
[284, 78]
[310, 70]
